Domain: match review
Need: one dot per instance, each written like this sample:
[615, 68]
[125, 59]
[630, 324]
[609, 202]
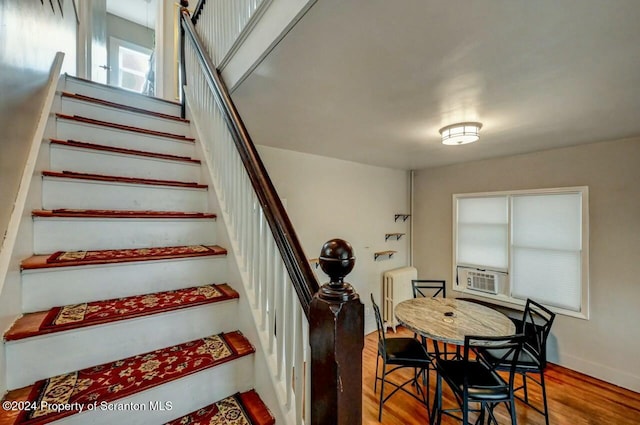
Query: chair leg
[436, 412]
[375, 382]
[465, 409]
[524, 386]
[425, 384]
[544, 398]
[384, 371]
[480, 420]
[512, 412]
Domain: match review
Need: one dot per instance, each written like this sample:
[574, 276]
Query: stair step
[102, 192]
[48, 287]
[126, 151]
[129, 108]
[120, 380]
[121, 162]
[121, 138]
[247, 405]
[121, 179]
[117, 95]
[88, 108]
[111, 256]
[82, 315]
[81, 231]
[74, 213]
[123, 127]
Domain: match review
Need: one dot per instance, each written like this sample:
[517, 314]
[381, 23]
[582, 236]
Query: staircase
[128, 318]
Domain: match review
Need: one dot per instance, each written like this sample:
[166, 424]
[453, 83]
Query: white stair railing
[279, 316]
[224, 24]
[311, 336]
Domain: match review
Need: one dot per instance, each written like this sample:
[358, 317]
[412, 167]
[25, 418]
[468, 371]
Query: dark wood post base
[336, 336]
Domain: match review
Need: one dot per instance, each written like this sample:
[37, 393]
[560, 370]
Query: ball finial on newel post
[337, 261]
[336, 337]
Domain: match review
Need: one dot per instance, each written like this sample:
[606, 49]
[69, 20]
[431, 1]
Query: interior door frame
[84, 44]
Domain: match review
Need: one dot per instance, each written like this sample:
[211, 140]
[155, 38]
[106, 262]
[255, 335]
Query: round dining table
[449, 320]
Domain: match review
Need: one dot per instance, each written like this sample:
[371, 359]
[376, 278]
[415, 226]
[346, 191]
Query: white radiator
[396, 287]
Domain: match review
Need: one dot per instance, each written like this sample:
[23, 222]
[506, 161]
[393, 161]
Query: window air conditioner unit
[483, 281]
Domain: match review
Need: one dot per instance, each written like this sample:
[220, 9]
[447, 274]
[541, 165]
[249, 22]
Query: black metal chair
[473, 380]
[401, 353]
[536, 325]
[429, 288]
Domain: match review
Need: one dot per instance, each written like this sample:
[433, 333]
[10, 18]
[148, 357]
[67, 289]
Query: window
[129, 65]
[510, 246]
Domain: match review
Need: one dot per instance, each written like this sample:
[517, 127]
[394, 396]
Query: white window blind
[483, 232]
[546, 249]
[537, 240]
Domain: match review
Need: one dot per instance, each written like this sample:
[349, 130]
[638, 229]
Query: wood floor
[574, 399]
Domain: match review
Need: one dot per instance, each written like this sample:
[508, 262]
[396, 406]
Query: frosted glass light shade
[461, 133]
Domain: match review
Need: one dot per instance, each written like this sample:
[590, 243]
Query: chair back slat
[537, 321]
[507, 349]
[382, 342]
[429, 288]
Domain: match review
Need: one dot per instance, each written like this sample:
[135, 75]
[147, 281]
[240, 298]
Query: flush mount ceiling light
[461, 133]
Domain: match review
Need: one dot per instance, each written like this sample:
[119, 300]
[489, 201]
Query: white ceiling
[141, 12]
[373, 81]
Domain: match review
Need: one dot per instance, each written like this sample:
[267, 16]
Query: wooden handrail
[299, 269]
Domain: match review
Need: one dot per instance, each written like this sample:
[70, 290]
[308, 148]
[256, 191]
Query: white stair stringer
[183, 395]
[45, 288]
[53, 234]
[85, 160]
[116, 95]
[67, 129]
[52, 354]
[88, 109]
[62, 192]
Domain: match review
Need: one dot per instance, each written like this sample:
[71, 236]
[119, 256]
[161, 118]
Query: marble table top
[426, 316]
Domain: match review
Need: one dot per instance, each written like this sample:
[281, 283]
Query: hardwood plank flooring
[574, 398]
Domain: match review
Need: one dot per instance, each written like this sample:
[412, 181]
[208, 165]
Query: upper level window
[510, 246]
[129, 65]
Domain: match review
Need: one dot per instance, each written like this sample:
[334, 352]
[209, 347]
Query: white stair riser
[118, 96]
[43, 289]
[82, 132]
[86, 194]
[186, 395]
[116, 164]
[71, 106]
[32, 359]
[76, 234]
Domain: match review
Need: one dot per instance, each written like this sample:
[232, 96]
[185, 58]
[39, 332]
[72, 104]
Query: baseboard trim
[619, 377]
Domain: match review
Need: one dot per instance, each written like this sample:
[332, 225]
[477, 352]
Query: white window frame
[114, 58]
[504, 298]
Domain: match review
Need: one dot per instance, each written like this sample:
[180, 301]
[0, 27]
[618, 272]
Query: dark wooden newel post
[336, 323]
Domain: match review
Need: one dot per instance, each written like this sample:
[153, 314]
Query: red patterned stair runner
[79, 258]
[93, 313]
[113, 381]
[239, 409]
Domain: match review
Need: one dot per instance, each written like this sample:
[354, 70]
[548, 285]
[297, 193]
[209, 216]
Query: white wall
[328, 198]
[606, 346]
[31, 34]
[130, 31]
